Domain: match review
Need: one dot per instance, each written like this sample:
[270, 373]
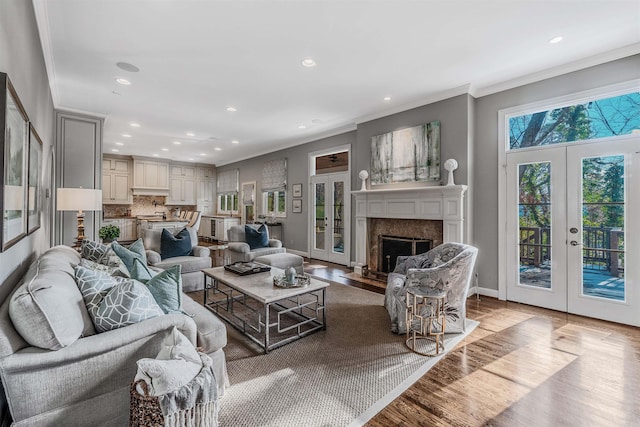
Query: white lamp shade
[79, 199]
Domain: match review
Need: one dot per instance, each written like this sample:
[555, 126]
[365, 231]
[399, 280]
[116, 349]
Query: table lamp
[79, 199]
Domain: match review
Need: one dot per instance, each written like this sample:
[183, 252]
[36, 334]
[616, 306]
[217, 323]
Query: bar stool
[425, 320]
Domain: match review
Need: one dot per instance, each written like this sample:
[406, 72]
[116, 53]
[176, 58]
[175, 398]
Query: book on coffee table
[245, 268]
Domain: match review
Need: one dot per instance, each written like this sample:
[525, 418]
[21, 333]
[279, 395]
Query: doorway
[573, 228]
[330, 205]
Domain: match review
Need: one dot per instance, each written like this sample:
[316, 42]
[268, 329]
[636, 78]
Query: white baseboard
[483, 291]
[302, 254]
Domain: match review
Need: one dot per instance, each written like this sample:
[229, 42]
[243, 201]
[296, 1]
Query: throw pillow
[173, 246]
[256, 238]
[140, 271]
[115, 302]
[93, 251]
[135, 250]
[119, 270]
[177, 363]
[166, 288]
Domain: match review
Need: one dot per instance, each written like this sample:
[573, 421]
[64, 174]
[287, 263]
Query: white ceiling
[197, 57]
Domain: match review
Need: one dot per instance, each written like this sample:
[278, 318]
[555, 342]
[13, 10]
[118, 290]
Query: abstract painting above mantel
[406, 155]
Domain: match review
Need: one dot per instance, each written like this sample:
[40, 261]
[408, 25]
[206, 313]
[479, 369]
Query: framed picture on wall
[14, 138]
[297, 190]
[35, 168]
[296, 205]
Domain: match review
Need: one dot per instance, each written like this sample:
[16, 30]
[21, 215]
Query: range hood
[149, 191]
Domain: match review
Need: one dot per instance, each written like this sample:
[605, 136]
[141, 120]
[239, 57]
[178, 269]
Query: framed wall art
[14, 125]
[406, 155]
[296, 190]
[296, 205]
[35, 188]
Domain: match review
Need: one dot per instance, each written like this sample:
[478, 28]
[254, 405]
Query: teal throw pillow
[172, 246]
[166, 288]
[127, 255]
[140, 271]
[256, 238]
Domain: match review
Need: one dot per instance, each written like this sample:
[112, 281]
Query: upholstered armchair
[448, 267]
[192, 264]
[242, 249]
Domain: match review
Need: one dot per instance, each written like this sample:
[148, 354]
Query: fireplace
[424, 213]
[391, 247]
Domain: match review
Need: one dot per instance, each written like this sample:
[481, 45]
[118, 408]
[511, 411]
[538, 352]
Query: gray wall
[22, 59]
[486, 149]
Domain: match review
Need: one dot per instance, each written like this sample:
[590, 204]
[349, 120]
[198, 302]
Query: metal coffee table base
[270, 325]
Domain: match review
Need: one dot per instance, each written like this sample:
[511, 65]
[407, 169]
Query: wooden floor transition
[522, 366]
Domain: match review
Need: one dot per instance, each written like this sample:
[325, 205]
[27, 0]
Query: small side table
[425, 320]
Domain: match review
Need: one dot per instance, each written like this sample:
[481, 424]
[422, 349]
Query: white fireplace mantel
[444, 203]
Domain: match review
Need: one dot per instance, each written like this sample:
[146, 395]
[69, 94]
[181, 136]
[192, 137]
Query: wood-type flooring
[522, 366]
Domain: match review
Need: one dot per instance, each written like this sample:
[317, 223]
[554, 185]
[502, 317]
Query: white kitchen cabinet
[220, 227]
[116, 181]
[127, 227]
[208, 209]
[150, 177]
[183, 171]
[205, 227]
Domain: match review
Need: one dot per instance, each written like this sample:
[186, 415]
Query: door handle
[574, 243]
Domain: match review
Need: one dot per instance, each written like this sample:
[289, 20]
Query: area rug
[338, 377]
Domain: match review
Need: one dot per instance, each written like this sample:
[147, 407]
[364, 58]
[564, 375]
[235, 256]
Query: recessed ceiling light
[555, 40]
[156, 154]
[115, 150]
[134, 125]
[217, 148]
[231, 109]
[190, 158]
[387, 98]
[177, 142]
[308, 62]
[191, 134]
[164, 149]
[127, 67]
[302, 127]
[235, 141]
[203, 154]
[123, 81]
[119, 143]
[126, 135]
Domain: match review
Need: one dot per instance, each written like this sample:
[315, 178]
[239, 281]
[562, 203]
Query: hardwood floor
[522, 366]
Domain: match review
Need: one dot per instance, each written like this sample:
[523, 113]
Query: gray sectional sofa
[56, 370]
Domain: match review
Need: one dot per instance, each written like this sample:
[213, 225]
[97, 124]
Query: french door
[330, 212]
[573, 228]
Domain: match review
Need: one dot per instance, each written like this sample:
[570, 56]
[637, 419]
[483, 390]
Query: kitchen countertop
[167, 219]
[150, 218]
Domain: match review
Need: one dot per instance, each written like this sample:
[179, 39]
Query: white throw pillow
[175, 366]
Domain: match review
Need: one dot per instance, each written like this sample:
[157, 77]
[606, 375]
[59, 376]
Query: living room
[469, 117]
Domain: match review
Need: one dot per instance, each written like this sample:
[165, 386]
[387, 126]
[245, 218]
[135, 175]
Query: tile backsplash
[143, 205]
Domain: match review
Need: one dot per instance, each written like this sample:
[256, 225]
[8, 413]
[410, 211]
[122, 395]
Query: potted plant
[109, 233]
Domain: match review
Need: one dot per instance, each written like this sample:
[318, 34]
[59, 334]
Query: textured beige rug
[337, 377]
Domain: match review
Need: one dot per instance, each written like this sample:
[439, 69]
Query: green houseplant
[109, 233]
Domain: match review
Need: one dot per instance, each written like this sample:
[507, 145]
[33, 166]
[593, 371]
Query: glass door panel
[603, 217]
[534, 221]
[338, 217]
[319, 216]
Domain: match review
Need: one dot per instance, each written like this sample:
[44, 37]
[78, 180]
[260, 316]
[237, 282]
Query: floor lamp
[79, 199]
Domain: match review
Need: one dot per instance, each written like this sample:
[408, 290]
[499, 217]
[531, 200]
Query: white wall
[22, 59]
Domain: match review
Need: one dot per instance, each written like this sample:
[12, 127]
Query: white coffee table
[268, 315]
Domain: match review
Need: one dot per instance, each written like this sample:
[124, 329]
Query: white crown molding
[439, 96]
[570, 67]
[42, 21]
[82, 112]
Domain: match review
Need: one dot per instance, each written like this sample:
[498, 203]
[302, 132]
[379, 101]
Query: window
[597, 118]
[275, 203]
[227, 188]
[274, 188]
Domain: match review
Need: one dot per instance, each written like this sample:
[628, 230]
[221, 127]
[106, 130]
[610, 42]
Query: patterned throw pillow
[127, 255]
[93, 251]
[173, 246]
[118, 270]
[115, 302]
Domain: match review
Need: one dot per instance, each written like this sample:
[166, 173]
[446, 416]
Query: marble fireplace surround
[434, 203]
